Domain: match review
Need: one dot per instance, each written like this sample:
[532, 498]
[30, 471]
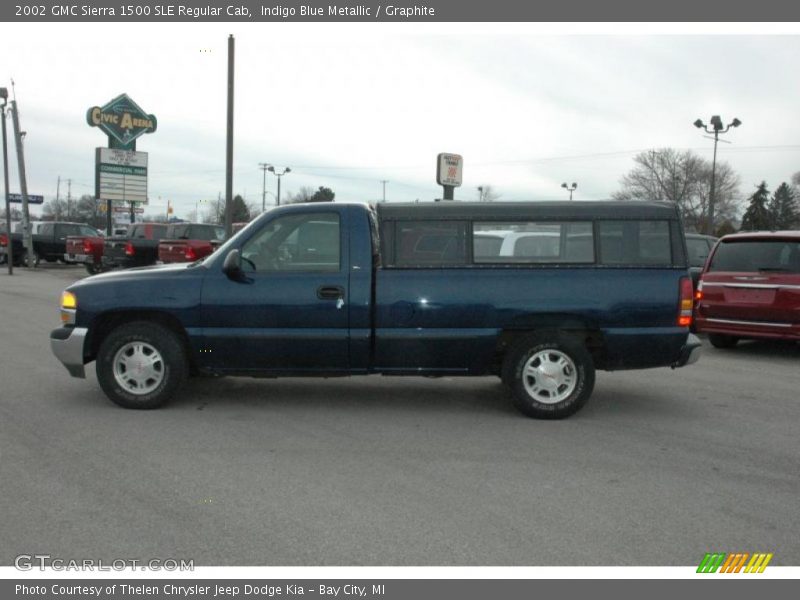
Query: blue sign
[32, 198]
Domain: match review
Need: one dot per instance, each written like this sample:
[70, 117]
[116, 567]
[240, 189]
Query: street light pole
[272, 170]
[9, 246]
[570, 188]
[716, 128]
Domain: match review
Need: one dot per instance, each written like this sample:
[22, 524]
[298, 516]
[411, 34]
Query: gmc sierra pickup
[403, 289]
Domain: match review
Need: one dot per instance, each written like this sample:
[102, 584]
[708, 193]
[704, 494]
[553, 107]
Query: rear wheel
[550, 375]
[719, 340]
[141, 365]
[93, 268]
[26, 261]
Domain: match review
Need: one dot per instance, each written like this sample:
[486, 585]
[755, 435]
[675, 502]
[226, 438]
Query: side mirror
[232, 267]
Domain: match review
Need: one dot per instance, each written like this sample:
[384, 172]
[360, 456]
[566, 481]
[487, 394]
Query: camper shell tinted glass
[579, 234]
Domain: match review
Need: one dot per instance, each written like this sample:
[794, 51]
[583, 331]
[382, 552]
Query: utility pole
[69, 199]
[58, 199]
[27, 240]
[384, 182]
[264, 167]
[229, 146]
[9, 245]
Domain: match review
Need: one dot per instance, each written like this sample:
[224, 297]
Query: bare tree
[683, 178]
[303, 195]
[55, 209]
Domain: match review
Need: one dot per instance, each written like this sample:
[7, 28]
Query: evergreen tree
[239, 214]
[757, 216]
[784, 208]
[323, 194]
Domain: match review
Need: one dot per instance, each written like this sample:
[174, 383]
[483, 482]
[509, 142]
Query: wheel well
[107, 322]
[589, 336]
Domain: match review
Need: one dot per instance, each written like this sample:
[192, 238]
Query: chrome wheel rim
[138, 368]
[549, 376]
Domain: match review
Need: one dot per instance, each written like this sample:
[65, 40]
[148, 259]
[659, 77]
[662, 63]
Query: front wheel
[141, 365]
[550, 375]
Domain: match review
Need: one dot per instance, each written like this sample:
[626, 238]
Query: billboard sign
[121, 175]
[449, 168]
[122, 120]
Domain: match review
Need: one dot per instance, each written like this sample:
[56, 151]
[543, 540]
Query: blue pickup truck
[539, 294]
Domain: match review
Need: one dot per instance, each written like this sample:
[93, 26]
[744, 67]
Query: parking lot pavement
[659, 468]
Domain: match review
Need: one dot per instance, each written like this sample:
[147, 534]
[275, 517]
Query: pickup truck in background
[50, 240]
[188, 242]
[86, 250]
[342, 289]
[139, 248]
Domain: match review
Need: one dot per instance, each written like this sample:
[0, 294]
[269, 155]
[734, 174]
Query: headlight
[69, 304]
[68, 300]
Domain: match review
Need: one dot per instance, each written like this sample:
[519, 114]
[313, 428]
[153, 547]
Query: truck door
[291, 312]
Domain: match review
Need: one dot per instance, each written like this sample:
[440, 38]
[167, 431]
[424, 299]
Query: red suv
[750, 288]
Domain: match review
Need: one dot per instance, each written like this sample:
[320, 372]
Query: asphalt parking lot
[660, 467]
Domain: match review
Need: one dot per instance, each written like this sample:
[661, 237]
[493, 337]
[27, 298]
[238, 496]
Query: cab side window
[308, 242]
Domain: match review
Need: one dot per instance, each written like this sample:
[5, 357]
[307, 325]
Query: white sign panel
[449, 168]
[127, 158]
[122, 175]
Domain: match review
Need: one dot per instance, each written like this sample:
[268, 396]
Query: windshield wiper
[775, 269]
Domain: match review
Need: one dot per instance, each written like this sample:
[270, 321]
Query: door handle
[330, 292]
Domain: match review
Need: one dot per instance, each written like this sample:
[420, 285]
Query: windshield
[698, 251]
[753, 256]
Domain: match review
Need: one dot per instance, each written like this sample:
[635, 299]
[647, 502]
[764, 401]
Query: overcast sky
[347, 105]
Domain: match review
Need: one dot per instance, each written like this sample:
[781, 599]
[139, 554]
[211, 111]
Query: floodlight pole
[272, 170]
[716, 129]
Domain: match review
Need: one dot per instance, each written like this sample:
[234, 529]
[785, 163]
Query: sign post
[449, 170]
[121, 172]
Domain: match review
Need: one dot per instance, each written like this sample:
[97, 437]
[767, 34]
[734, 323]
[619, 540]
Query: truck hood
[138, 274]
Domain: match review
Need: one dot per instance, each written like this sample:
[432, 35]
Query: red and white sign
[449, 169]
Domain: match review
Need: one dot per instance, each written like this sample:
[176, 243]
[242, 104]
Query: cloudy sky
[348, 105]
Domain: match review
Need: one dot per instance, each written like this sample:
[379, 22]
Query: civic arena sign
[122, 120]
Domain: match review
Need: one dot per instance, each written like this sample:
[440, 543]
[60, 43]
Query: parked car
[698, 248]
[750, 288]
[341, 289]
[138, 248]
[187, 242]
[49, 240]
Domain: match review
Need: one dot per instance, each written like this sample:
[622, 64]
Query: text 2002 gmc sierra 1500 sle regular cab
[403, 289]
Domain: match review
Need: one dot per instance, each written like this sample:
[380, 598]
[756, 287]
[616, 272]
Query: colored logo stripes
[734, 562]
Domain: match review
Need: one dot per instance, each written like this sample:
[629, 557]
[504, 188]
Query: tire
[36, 259]
[93, 269]
[138, 342]
[559, 379]
[719, 340]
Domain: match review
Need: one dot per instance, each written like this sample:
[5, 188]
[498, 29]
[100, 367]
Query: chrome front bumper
[67, 345]
[690, 353]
